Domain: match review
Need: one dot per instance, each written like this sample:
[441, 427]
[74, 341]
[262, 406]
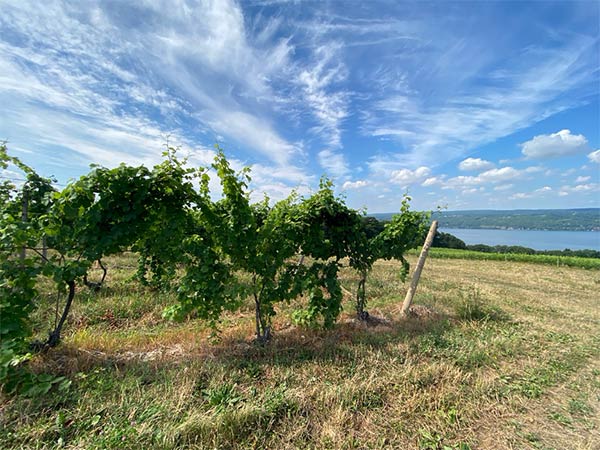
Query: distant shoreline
[576, 219]
[523, 229]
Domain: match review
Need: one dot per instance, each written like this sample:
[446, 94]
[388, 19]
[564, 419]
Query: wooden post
[420, 263]
[24, 219]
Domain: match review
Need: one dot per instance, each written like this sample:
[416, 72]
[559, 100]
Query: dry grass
[501, 355]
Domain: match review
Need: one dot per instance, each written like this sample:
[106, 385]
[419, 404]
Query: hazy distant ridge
[581, 219]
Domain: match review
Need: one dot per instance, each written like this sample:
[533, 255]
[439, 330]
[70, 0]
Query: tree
[447, 240]
[372, 226]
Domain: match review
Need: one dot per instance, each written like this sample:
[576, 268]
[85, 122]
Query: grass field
[499, 355]
[569, 261]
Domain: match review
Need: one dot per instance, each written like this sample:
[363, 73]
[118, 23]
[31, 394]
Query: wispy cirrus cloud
[329, 105]
[114, 61]
[594, 156]
[112, 82]
[437, 128]
[389, 95]
[334, 163]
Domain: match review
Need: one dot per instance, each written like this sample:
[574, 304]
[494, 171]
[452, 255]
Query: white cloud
[195, 69]
[432, 181]
[107, 140]
[504, 187]
[16, 177]
[537, 193]
[329, 107]
[534, 169]
[333, 162]
[474, 164]
[293, 175]
[109, 81]
[276, 191]
[594, 156]
[256, 132]
[586, 187]
[355, 184]
[530, 90]
[581, 188]
[492, 176]
[555, 145]
[498, 175]
[582, 179]
[406, 177]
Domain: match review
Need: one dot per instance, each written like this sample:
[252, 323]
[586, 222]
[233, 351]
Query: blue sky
[468, 105]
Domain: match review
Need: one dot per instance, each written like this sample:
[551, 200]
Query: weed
[434, 441]
[472, 307]
[560, 418]
[251, 369]
[580, 407]
[222, 397]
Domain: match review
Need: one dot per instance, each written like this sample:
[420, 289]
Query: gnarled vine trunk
[54, 337]
[361, 298]
[96, 285]
[263, 326]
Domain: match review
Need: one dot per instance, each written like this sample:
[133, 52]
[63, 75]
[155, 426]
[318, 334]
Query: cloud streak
[379, 98]
[440, 129]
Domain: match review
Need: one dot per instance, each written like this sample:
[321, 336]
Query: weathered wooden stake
[24, 219]
[420, 263]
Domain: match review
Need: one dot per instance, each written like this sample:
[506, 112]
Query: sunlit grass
[500, 355]
[569, 261]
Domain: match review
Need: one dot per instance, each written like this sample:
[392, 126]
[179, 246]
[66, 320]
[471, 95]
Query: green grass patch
[500, 347]
[569, 261]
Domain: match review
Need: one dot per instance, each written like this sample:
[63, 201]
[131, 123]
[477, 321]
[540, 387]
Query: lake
[536, 239]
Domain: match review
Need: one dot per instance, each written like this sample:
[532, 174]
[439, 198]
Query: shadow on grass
[424, 332]
[290, 347]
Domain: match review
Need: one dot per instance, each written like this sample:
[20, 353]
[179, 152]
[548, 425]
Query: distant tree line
[587, 219]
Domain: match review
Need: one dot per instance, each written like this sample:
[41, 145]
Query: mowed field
[498, 355]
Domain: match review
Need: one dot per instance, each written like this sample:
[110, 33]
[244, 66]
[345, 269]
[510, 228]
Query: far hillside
[581, 219]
